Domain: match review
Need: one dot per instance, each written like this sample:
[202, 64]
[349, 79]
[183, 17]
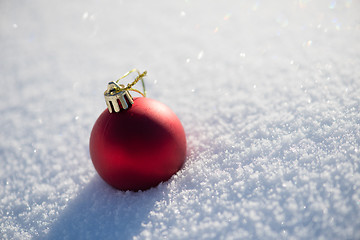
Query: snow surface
[268, 93]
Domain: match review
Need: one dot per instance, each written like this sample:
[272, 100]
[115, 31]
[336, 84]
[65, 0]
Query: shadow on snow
[101, 212]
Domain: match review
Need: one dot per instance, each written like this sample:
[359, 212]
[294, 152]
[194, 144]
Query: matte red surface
[138, 148]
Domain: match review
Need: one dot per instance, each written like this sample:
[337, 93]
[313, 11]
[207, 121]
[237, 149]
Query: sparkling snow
[268, 93]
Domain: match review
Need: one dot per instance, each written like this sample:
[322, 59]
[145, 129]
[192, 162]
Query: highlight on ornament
[136, 143]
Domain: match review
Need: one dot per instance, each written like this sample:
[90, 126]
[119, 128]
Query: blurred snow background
[267, 91]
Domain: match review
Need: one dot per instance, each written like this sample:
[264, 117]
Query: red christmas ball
[137, 148]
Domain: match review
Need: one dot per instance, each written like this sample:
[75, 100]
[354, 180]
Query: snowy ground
[268, 93]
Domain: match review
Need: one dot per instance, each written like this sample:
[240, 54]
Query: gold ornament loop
[129, 87]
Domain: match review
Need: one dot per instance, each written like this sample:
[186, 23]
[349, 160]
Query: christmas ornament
[136, 143]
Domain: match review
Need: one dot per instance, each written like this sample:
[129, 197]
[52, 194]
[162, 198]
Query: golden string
[129, 87]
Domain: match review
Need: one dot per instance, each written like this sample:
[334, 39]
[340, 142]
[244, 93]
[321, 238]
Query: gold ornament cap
[117, 96]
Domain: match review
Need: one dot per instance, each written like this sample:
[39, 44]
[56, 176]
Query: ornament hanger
[117, 96]
[130, 85]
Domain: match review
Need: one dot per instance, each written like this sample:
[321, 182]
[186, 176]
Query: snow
[267, 91]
